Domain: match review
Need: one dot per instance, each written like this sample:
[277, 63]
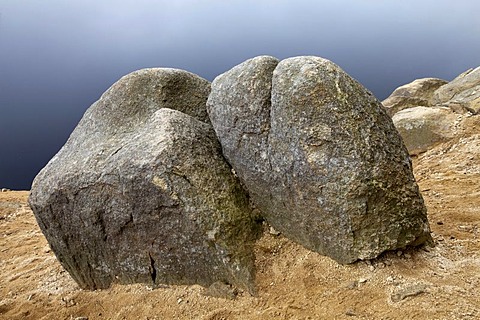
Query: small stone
[273, 232]
[390, 279]
[179, 300]
[407, 255]
[350, 313]
[372, 268]
[69, 302]
[399, 253]
[362, 280]
[352, 285]
[409, 290]
[81, 318]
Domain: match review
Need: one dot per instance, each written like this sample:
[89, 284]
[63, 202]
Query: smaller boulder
[413, 94]
[423, 127]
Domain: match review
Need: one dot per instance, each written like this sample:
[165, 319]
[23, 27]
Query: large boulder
[142, 193]
[324, 163]
[413, 94]
[463, 91]
[421, 127]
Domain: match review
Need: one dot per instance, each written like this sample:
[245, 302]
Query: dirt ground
[440, 282]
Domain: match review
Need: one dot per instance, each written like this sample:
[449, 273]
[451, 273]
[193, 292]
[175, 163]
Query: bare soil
[439, 282]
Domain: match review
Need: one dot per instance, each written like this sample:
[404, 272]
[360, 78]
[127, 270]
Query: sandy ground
[440, 282]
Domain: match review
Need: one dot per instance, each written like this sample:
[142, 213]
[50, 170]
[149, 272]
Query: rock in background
[463, 91]
[423, 127]
[417, 93]
[425, 115]
[142, 193]
[340, 179]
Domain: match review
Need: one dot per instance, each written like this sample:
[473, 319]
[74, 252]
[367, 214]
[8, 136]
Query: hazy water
[57, 57]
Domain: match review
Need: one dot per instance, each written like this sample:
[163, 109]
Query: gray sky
[57, 56]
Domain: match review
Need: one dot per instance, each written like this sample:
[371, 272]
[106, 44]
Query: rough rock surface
[239, 109]
[463, 91]
[340, 179]
[422, 127]
[141, 193]
[137, 94]
[413, 94]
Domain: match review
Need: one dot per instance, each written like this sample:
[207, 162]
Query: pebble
[352, 285]
[362, 280]
[350, 313]
[81, 318]
[408, 291]
[69, 302]
[273, 232]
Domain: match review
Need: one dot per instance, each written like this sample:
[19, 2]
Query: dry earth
[440, 282]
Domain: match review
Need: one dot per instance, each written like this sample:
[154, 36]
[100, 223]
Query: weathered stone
[463, 91]
[325, 164]
[413, 94]
[421, 127]
[141, 193]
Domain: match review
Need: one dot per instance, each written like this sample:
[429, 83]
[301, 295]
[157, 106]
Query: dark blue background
[57, 57]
